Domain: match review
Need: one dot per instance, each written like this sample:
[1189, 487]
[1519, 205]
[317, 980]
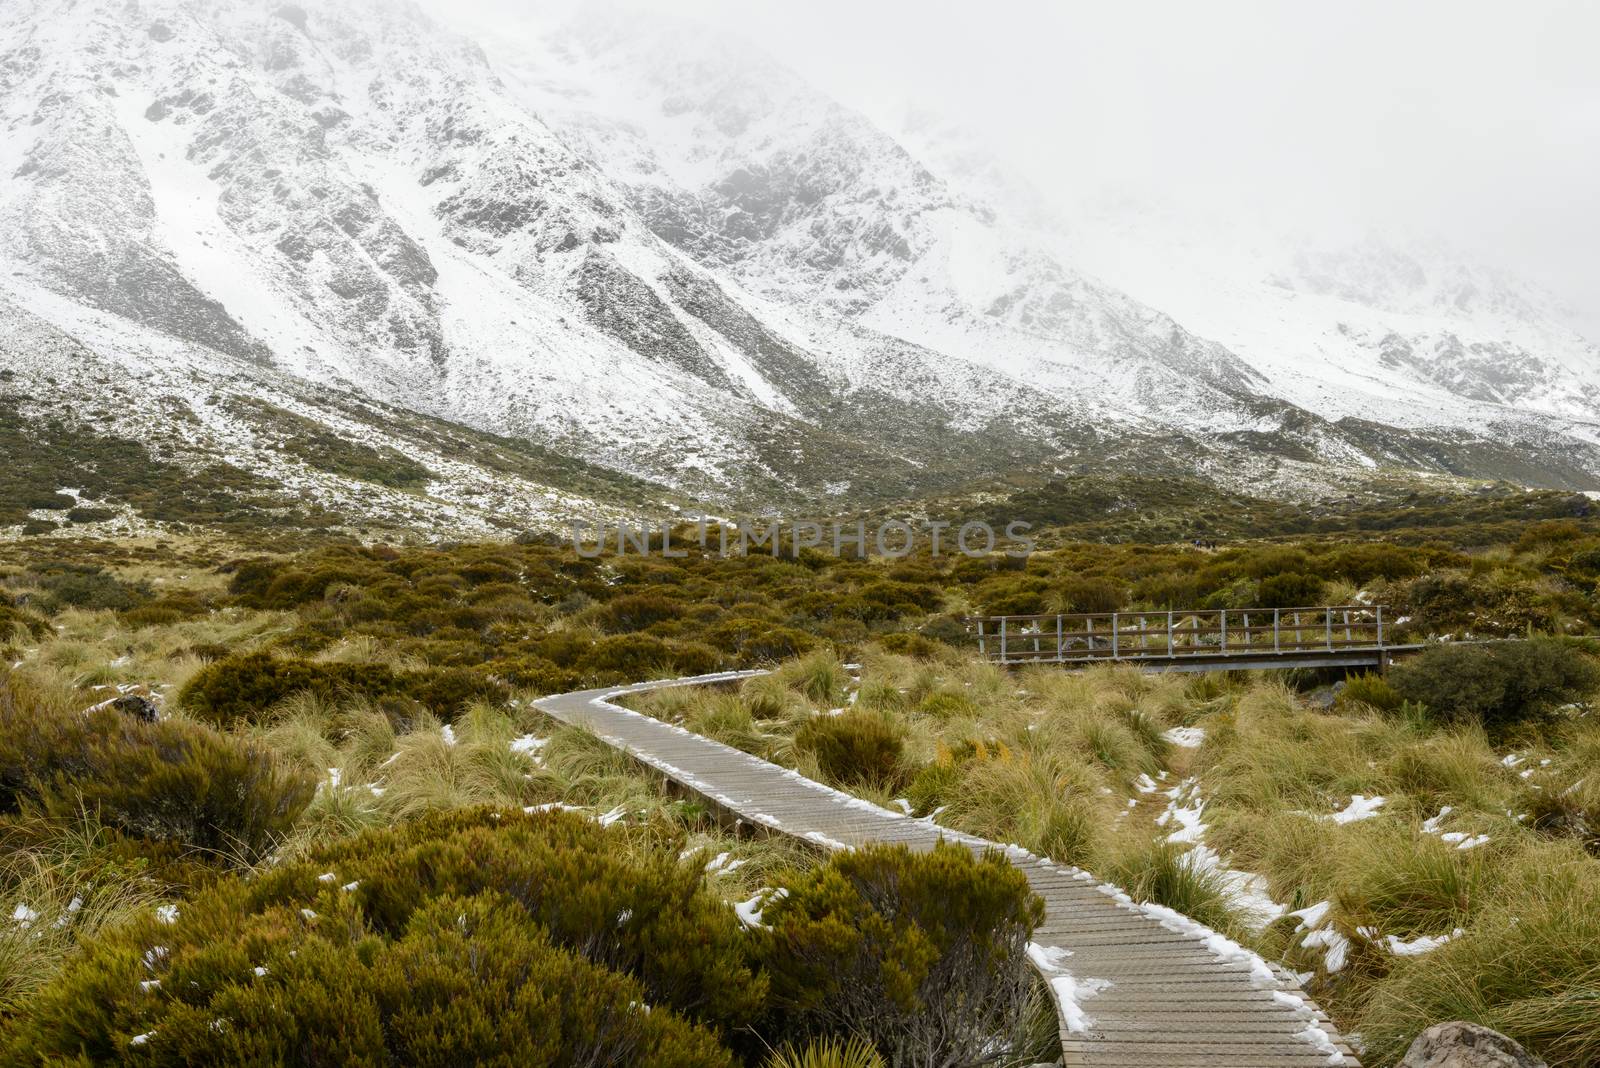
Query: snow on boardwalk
[1136, 986]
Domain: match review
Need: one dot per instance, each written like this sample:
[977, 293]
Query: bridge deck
[1165, 992]
[1199, 639]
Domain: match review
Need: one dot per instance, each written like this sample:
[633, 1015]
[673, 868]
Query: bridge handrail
[1179, 632]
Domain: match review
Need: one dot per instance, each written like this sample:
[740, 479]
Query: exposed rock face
[1467, 1045]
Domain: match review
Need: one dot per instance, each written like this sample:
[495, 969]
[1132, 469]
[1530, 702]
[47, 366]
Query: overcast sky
[1477, 121]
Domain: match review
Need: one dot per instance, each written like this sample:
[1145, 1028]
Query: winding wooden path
[1136, 986]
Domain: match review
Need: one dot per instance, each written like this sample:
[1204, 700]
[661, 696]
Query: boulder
[140, 708]
[1466, 1045]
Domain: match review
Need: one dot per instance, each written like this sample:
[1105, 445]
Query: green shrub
[532, 673]
[50, 502]
[924, 955]
[1498, 685]
[1361, 564]
[1586, 562]
[468, 981]
[445, 691]
[241, 688]
[465, 937]
[757, 640]
[1084, 594]
[636, 657]
[169, 781]
[1290, 590]
[636, 611]
[649, 916]
[855, 747]
[90, 588]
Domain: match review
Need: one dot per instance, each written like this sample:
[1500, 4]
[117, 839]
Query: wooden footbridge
[1135, 985]
[1212, 639]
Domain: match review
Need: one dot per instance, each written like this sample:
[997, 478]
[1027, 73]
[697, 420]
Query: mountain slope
[639, 245]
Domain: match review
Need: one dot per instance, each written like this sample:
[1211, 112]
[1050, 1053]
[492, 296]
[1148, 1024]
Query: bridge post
[1277, 641]
[1002, 639]
[1061, 649]
[983, 650]
[1115, 616]
[1327, 614]
[1169, 633]
[1223, 616]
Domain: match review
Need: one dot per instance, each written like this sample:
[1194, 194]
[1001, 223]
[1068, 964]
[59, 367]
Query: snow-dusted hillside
[649, 247]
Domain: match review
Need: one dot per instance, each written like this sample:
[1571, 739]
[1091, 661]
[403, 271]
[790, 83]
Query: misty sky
[1479, 122]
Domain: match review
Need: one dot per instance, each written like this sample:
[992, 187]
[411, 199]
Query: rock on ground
[1467, 1045]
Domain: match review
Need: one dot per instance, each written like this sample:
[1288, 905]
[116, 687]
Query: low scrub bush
[757, 640]
[923, 955]
[636, 611]
[648, 915]
[469, 937]
[1498, 686]
[90, 588]
[1080, 594]
[467, 981]
[633, 657]
[532, 673]
[855, 747]
[242, 688]
[169, 781]
[1290, 590]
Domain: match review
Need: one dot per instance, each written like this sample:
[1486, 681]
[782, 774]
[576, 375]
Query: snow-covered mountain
[642, 244]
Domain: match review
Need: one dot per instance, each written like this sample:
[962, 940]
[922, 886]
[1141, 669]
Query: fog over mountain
[1467, 122]
[702, 257]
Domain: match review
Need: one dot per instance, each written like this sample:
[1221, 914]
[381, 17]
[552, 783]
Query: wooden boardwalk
[1136, 986]
[1202, 639]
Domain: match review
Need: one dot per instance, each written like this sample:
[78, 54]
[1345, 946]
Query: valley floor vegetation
[253, 803]
[1420, 848]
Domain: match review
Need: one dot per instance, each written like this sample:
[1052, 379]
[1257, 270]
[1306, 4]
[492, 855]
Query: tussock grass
[1164, 873]
[819, 677]
[429, 771]
[61, 882]
[1046, 802]
[855, 1052]
[1529, 966]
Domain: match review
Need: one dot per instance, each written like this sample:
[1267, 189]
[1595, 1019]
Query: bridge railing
[1166, 635]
